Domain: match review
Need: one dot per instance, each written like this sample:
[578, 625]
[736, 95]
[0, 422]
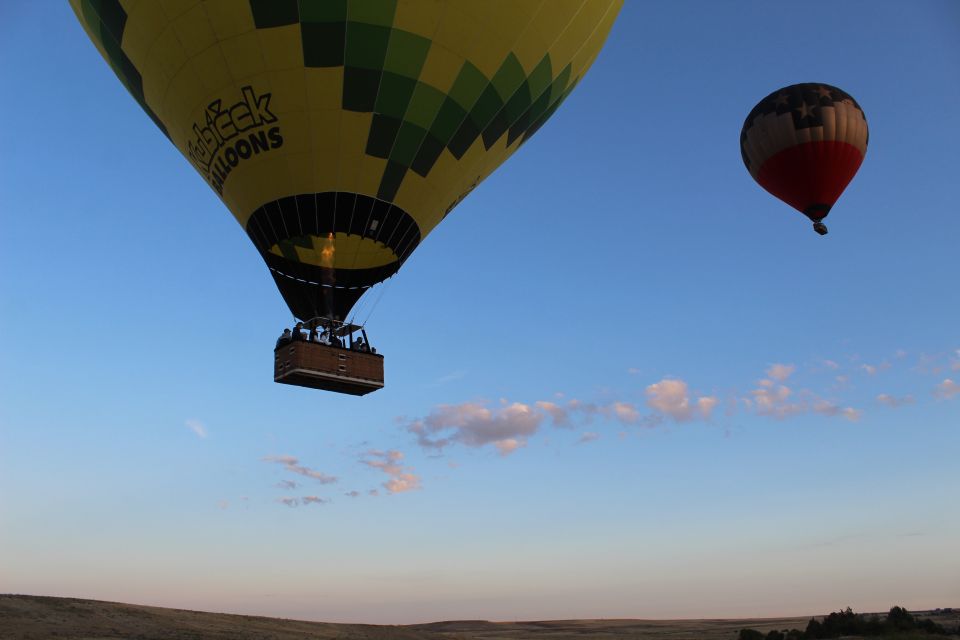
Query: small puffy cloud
[779, 401]
[827, 408]
[474, 425]
[588, 436]
[558, 414]
[197, 427]
[774, 400]
[314, 500]
[780, 372]
[287, 484]
[625, 412]
[373, 492]
[633, 371]
[874, 369]
[672, 397]
[894, 402]
[509, 445]
[223, 504]
[289, 501]
[946, 389]
[831, 364]
[293, 465]
[352, 494]
[401, 478]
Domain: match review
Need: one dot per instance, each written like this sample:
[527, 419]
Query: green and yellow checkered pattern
[409, 102]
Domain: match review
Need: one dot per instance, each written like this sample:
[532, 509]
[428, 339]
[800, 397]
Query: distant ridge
[26, 617]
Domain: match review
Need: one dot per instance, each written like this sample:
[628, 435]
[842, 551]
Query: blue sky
[661, 394]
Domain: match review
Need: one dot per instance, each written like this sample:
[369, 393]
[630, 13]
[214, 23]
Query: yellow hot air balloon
[339, 133]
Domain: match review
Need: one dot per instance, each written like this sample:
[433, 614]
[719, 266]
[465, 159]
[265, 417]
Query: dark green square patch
[430, 150]
[379, 12]
[391, 181]
[322, 43]
[366, 45]
[394, 95]
[406, 53]
[448, 120]
[383, 132]
[323, 10]
[407, 144]
[274, 13]
[360, 88]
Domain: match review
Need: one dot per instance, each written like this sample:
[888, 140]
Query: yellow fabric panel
[244, 55]
[183, 94]
[145, 22]
[289, 92]
[419, 16]
[176, 8]
[227, 18]
[194, 31]
[324, 87]
[210, 66]
[441, 67]
[281, 47]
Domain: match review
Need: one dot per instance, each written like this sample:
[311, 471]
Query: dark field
[43, 618]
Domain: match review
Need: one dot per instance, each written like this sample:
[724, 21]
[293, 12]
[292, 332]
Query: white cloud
[633, 371]
[352, 494]
[401, 478]
[780, 372]
[314, 500]
[770, 399]
[588, 436]
[827, 408]
[830, 364]
[509, 445]
[672, 397]
[894, 402]
[559, 415]
[292, 465]
[289, 501]
[474, 425]
[197, 427]
[626, 412]
[946, 389]
[287, 484]
[873, 369]
[779, 401]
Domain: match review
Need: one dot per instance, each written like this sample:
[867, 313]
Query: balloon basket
[329, 367]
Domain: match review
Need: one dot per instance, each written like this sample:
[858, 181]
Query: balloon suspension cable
[820, 228]
[383, 289]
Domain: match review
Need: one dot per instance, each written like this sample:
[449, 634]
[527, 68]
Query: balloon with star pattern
[803, 144]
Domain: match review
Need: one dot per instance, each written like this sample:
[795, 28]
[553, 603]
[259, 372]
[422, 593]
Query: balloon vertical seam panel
[340, 133]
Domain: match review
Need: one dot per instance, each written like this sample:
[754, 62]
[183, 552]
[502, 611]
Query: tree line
[848, 623]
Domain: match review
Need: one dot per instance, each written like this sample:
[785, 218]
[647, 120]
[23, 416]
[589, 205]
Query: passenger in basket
[284, 338]
[298, 332]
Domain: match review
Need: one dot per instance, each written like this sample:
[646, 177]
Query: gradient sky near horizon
[622, 379]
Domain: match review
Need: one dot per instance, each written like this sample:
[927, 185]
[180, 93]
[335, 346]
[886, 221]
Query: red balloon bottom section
[811, 176]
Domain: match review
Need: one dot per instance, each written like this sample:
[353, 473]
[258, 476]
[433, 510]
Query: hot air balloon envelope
[803, 144]
[339, 133]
